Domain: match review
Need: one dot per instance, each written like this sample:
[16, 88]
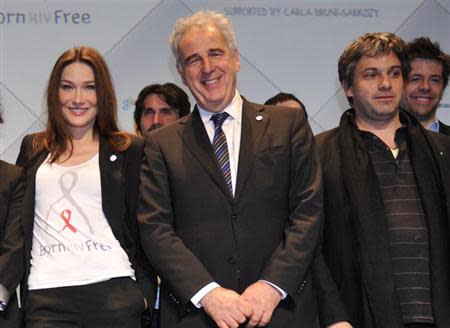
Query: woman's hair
[57, 137]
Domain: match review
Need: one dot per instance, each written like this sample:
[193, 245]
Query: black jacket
[444, 129]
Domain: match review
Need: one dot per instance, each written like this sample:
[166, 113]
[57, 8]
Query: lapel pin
[259, 118]
[113, 158]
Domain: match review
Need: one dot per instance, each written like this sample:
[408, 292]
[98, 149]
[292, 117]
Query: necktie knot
[218, 119]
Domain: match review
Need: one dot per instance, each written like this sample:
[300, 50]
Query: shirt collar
[234, 109]
[434, 126]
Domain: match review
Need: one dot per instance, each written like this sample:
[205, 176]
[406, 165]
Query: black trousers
[155, 319]
[116, 303]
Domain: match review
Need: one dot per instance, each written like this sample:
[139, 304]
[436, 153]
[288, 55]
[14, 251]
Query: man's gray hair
[199, 19]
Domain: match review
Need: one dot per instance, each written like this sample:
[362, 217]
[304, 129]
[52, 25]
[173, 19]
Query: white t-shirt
[73, 243]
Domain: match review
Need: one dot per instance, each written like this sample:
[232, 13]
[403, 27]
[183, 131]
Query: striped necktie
[221, 148]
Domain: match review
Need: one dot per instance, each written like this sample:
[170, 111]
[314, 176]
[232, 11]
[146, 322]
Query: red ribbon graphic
[66, 216]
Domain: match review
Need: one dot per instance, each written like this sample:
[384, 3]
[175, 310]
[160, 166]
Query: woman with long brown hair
[79, 256]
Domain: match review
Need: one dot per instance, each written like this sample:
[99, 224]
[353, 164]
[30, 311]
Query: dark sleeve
[162, 245]
[145, 274]
[12, 244]
[329, 304]
[292, 258]
[9, 177]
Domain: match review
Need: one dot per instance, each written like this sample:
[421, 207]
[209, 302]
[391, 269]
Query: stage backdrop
[290, 46]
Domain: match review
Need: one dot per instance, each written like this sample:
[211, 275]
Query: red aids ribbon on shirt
[66, 216]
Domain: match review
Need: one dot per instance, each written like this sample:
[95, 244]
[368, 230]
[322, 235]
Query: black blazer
[119, 185]
[194, 232]
[11, 193]
[444, 129]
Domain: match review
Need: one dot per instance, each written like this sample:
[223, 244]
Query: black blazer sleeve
[11, 248]
[9, 177]
[146, 276]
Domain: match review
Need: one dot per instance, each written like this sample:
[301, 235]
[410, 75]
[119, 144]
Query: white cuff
[202, 292]
[282, 292]
[4, 297]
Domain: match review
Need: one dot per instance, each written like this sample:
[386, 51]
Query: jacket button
[174, 299]
[236, 217]
[232, 260]
[299, 290]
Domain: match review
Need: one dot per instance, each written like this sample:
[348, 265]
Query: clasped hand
[228, 309]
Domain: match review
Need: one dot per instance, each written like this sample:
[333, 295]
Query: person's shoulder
[441, 144]
[274, 110]
[441, 140]
[166, 132]
[8, 169]
[29, 138]
[444, 128]
[136, 144]
[9, 173]
[327, 136]
[438, 137]
[28, 147]
[281, 117]
[135, 141]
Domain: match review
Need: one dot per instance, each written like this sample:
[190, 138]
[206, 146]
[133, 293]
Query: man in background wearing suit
[230, 197]
[430, 68]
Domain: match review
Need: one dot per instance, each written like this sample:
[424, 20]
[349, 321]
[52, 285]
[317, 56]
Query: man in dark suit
[386, 191]
[231, 199]
[430, 68]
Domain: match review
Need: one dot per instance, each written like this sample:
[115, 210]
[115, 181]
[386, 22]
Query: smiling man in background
[430, 69]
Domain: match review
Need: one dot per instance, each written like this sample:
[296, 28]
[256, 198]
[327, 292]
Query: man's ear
[347, 89]
[181, 72]
[237, 63]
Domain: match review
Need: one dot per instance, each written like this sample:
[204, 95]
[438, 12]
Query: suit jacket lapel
[110, 163]
[197, 141]
[254, 124]
[30, 196]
